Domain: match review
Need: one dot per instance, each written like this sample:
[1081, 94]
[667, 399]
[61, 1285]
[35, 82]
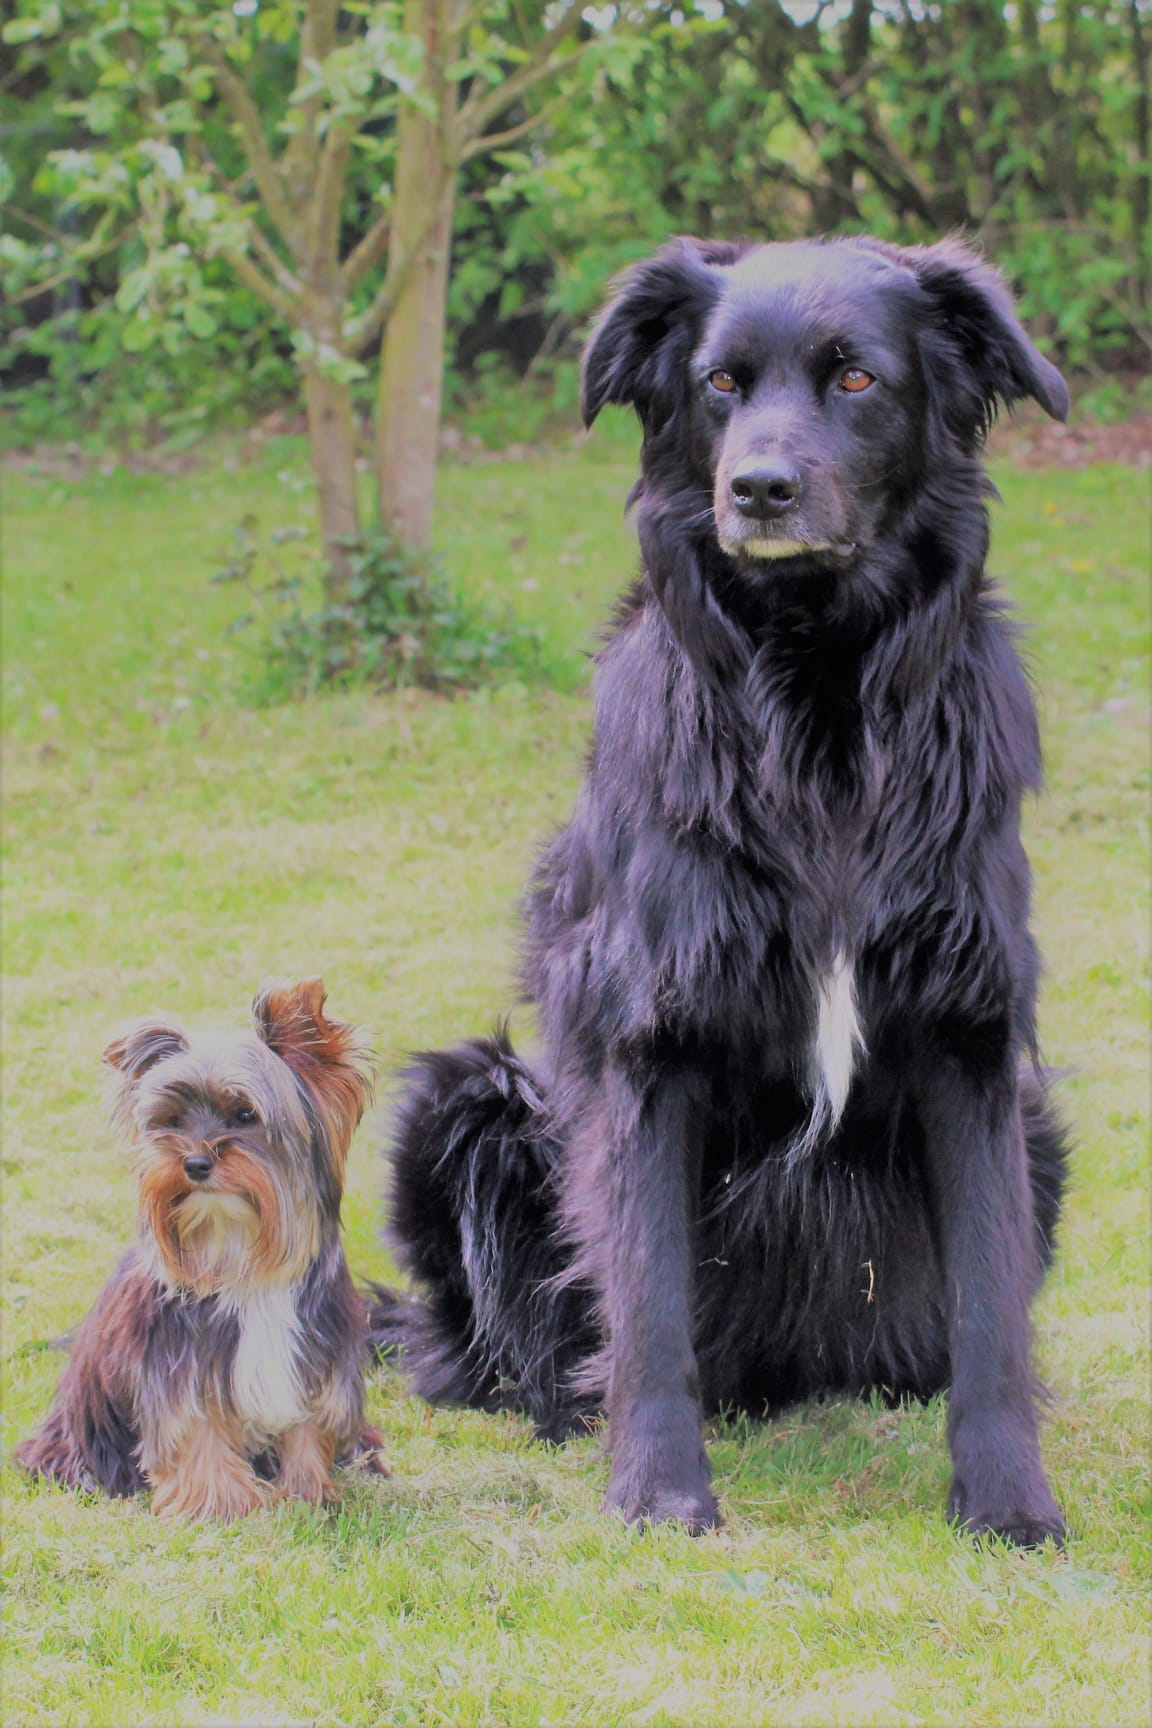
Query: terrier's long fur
[222, 1365]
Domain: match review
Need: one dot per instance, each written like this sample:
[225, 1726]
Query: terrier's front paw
[313, 1490]
[231, 1494]
[368, 1453]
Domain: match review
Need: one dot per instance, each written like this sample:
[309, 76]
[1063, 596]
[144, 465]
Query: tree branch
[497, 140]
[472, 15]
[846, 88]
[253, 277]
[265, 171]
[361, 332]
[46, 284]
[283, 276]
[505, 94]
[367, 252]
[257, 240]
[317, 39]
[916, 189]
[42, 227]
[328, 192]
[483, 106]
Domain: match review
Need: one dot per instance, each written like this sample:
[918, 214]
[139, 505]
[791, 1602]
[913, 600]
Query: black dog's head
[808, 387]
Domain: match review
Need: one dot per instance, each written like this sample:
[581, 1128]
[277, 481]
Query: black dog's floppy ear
[140, 1047]
[977, 309]
[627, 356]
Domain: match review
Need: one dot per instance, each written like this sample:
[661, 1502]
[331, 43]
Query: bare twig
[497, 140]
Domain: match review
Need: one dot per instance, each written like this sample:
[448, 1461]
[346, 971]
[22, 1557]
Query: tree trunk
[332, 437]
[838, 201]
[412, 357]
[328, 402]
[1142, 131]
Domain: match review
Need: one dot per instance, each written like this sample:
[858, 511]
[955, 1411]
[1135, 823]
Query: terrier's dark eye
[243, 1116]
[855, 380]
[723, 382]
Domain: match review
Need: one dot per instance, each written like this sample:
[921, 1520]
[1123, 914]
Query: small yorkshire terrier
[223, 1363]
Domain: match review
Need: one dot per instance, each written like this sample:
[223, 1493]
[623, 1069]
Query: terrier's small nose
[198, 1166]
[765, 488]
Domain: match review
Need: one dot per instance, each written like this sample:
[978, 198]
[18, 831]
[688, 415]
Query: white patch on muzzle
[774, 548]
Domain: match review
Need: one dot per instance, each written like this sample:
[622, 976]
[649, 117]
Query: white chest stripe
[266, 1372]
[838, 1035]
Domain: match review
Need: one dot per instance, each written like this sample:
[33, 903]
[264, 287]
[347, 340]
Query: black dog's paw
[692, 1505]
[1026, 1521]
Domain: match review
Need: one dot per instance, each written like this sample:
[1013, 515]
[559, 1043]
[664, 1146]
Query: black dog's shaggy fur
[785, 1138]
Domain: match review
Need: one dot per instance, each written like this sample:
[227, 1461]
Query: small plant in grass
[395, 621]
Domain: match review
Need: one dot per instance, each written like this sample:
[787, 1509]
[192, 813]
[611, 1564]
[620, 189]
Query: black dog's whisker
[879, 480]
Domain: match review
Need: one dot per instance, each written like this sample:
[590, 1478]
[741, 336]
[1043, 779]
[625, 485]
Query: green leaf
[43, 23]
[133, 288]
[199, 320]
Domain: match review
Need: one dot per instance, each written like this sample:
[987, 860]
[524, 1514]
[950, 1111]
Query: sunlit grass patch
[167, 848]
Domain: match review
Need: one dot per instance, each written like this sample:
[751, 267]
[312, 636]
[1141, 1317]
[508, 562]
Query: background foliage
[1025, 124]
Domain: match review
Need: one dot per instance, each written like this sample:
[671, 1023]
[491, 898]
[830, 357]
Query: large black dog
[786, 1137]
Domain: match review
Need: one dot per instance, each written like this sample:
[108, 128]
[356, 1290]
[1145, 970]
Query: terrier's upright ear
[132, 1054]
[974, 305]
[641, 343]
[328, 1056]
[141, 1046]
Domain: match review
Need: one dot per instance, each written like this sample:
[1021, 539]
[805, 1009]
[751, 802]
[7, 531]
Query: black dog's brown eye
[855, 380]
[722, 381]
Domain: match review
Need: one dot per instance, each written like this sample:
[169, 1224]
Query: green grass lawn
[168, 847]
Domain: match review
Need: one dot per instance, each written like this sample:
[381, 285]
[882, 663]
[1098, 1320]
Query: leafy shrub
[499, 408]
[395, 621]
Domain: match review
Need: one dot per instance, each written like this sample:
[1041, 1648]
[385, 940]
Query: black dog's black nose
[198, 1166]
[765, 488]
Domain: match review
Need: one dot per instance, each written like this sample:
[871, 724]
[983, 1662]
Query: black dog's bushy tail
[472, 1217]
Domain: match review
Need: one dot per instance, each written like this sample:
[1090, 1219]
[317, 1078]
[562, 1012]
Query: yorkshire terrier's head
[240, 1143]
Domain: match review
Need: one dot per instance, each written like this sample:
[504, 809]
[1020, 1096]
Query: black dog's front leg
[659, 1465]
[977, 1168]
